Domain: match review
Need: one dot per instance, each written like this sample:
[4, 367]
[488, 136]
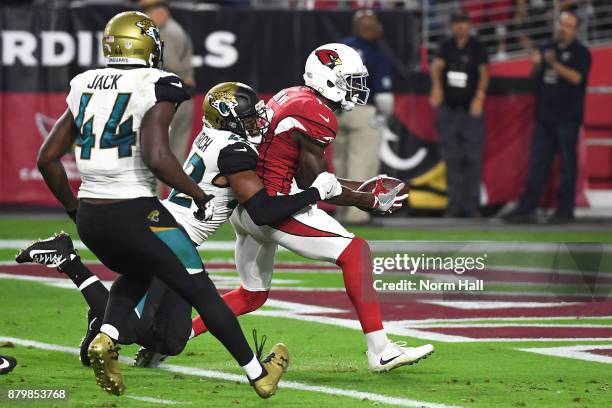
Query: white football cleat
[396, 355]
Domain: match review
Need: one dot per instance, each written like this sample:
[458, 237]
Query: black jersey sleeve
[237, 157]
[171, 89]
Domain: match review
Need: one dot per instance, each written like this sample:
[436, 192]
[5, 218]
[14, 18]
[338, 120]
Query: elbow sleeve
[265, 210]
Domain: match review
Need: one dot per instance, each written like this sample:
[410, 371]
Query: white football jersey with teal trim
[214, 153]
[108, 106]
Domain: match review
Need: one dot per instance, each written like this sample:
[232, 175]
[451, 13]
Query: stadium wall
[42, 47]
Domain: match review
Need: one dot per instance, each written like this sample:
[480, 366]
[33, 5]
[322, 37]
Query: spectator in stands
[460, 78]
[359, 131]
[584, 10]
[178, 51]
[491, 17]
[561, 70]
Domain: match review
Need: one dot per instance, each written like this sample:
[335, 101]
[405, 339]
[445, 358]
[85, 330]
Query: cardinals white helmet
[337, 72]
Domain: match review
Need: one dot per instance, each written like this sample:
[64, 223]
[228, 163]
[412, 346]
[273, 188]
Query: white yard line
[220, 375]
[220, 282]
[575, 352]
[207, 246]
[404, 246]
[299, 311]
[75, 351]
[157, 400]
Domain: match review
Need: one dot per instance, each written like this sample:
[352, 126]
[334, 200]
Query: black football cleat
[52, 252]
[146, 358]
[7, 364]
[93, 328]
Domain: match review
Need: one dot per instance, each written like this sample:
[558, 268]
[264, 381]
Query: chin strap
[347, 105]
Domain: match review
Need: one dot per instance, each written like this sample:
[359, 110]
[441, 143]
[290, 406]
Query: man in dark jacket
[460, 78]
[562, 70]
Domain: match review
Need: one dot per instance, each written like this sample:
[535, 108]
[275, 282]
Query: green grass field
[328, 365]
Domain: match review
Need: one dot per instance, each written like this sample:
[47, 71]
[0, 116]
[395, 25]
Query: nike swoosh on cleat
[5, 363]
[244, 149]
[177, 84]
[35, 252]
[324, 118]
[383, 362]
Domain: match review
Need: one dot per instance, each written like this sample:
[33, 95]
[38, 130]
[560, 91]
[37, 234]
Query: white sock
[377, 341]
[253, 369]
[110, 330]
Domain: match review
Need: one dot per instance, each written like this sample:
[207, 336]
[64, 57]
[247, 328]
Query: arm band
[265, 209]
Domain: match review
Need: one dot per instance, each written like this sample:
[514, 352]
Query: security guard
[460, 78]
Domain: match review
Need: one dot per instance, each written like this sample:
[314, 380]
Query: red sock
[240, 300]
[356, 264]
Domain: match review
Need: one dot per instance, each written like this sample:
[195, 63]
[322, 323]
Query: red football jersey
[300, 109]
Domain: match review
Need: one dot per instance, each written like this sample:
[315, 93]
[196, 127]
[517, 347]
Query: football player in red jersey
[302, 124]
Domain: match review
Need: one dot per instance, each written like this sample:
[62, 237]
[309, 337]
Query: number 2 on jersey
[123, 140]
[195, 169]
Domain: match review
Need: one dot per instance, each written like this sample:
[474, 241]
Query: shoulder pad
[310, 116]
[170, 88]
[237, 157]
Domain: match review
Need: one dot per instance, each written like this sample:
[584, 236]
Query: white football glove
[385, 202]
[328, 186]
[398, 203]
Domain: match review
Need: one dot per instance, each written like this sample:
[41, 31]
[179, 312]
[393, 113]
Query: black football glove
[206, 208]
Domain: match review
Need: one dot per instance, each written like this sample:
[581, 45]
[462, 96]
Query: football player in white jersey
[119, 117]
[223, 162]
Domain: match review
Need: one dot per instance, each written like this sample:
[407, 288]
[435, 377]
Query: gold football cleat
[104, 356]
[275, 364]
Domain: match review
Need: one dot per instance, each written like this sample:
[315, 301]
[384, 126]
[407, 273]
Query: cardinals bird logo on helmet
[329, 58]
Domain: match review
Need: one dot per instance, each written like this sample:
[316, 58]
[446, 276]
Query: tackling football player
[223, 162]
[119, 117]
[302, 125]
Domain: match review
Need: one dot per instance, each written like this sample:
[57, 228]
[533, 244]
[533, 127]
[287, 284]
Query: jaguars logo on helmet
[236, 107]
[224, 102]
[131, 38]
[148, 28]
